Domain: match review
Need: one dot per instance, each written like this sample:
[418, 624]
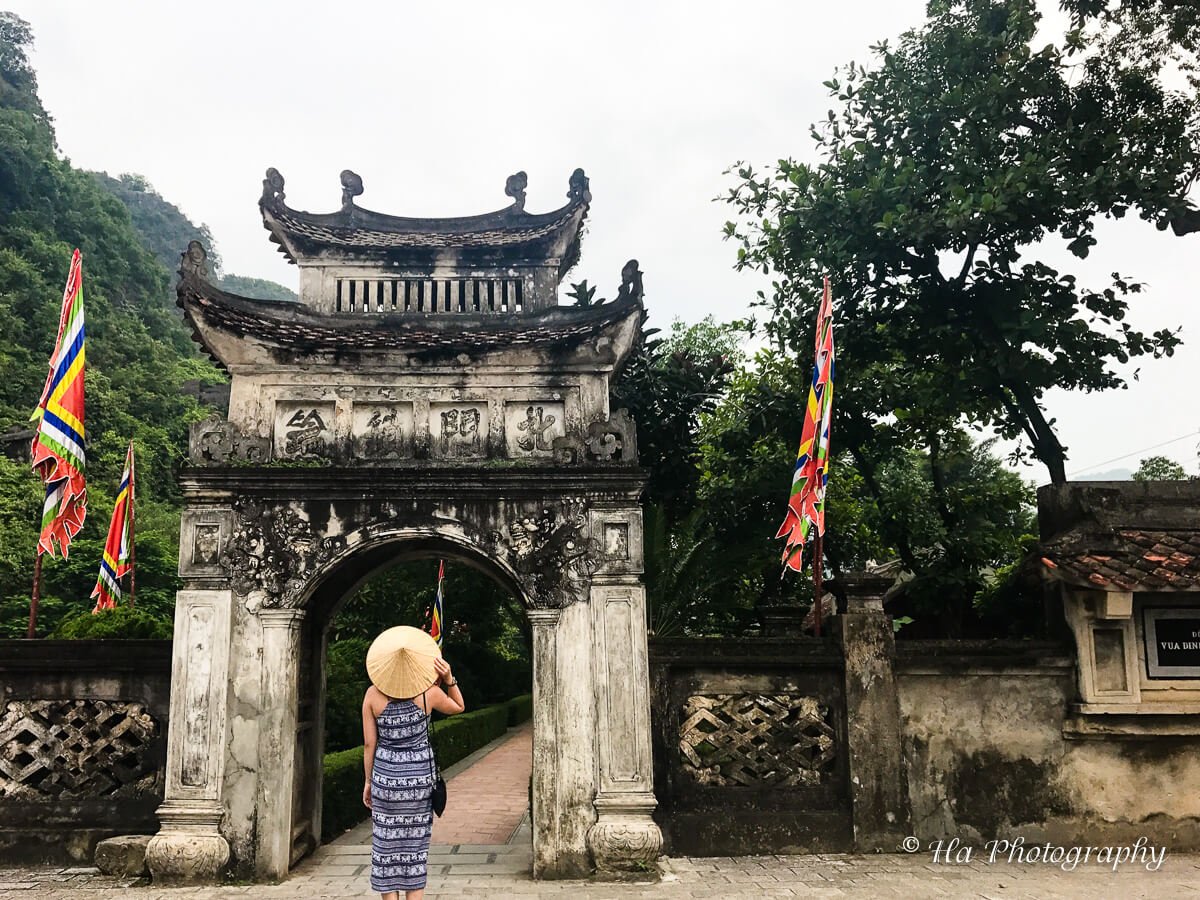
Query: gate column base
[189, 848]
[625, 837]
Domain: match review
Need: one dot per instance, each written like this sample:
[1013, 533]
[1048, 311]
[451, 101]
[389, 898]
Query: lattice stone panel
[756, 740]
[77, 749]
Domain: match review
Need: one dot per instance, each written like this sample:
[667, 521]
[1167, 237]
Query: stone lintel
[462, 483]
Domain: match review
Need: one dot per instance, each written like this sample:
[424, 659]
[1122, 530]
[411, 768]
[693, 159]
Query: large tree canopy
[942, 170]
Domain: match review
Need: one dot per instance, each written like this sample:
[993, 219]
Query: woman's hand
[367, 795]
[445, 676]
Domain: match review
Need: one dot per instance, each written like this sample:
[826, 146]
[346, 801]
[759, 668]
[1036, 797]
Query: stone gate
[426, 395]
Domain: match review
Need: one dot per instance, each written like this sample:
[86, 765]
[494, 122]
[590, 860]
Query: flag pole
[818, 602]
[36, 596]
[132, 532]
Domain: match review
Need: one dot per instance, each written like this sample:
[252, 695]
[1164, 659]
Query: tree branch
[1186, 223]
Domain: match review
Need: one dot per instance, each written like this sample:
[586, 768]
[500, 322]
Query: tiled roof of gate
[289, 325]
[357, 232]
[1127, 560]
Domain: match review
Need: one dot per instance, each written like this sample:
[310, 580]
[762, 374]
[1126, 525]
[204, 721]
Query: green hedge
[454, 738]
[341, 793]
[520, 709]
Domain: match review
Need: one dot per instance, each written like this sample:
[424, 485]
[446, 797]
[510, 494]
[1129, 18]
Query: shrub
[346, 681]
[341, 800]
[520, 709]
[118, 622]
[458, 737]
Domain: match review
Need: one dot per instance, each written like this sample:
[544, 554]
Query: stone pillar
[277, 740]
[545, 731]
[625, 835]
[564, 763]
[877, 789]
[189, 847]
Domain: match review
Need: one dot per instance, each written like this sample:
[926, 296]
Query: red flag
[437, 625]
[115, 562]
[806, 505]
[59, 455]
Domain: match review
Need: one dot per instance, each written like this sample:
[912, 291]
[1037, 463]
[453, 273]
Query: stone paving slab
[881, 876]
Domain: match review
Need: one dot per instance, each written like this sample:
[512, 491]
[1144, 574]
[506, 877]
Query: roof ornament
[272, 187]
[193, 262]
[515, 187]
[579, 187]
[352, 186]
[631, 283]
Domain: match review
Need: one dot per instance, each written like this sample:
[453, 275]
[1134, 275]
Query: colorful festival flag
[806, 506]
[59, 456]
[116, 561]
[438, 623]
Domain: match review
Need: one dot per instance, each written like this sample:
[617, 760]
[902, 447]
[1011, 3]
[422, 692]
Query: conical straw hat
[400, 661]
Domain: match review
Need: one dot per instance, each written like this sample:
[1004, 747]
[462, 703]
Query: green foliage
[139, 355]
[258, 288]
[345, 684]
[520, 709]
[457, 737]
[485, 638]
[1160, 468]
[341, 792]
[940, 171]
[948, 510]
[163, 229]
[667, 386]
[119, 622]
[582, 294]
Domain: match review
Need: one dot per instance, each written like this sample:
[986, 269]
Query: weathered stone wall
[750, 746]
[991, 752]
[83, 728]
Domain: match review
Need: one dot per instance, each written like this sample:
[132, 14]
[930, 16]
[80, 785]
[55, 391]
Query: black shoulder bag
[439, 784]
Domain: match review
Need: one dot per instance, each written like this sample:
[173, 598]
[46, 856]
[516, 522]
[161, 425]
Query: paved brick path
[488, 800]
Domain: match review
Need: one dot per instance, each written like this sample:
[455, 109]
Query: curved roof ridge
[355, 228]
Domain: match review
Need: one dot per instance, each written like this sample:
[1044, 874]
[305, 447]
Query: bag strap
[433, 772]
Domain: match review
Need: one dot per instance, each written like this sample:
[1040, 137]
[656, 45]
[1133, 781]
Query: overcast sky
[435, 103]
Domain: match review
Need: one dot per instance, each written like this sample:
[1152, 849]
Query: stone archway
[342, 581]
[287, 559]
[427, 386]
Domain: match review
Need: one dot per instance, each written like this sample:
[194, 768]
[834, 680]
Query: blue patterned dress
[401, 804]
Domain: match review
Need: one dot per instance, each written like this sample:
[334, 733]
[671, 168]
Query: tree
[666, 387]
[1159, 468]
[138, 354]
[951, 513]
[945, 167]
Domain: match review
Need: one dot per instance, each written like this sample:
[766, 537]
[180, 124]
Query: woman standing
[409, 679]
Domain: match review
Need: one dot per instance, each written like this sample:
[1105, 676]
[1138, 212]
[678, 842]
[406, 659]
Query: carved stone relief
[275, 550]
[206, 544]
[458, 430]
[616, 540]
[551, 553]
[613, 440]
[217, 442]
[303, 430]
[382, 431]
[531, 428]
[568, 450]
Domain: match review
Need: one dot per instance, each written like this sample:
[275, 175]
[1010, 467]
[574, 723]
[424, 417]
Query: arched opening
[393, 582]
